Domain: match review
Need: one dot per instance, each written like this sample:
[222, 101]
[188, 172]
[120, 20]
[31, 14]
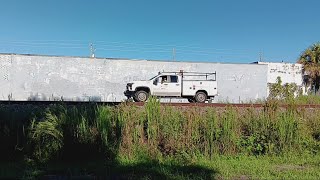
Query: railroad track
[60, 102]
[314, 106]
[230, 105]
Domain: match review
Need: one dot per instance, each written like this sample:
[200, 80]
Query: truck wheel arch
[142, 88]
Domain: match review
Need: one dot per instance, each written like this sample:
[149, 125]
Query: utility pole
[174, 54]
[92, 50]
[260, 56]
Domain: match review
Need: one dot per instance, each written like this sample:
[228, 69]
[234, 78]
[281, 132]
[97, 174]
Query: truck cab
[196, 87]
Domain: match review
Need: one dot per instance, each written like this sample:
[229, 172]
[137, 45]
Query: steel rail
[314, 106]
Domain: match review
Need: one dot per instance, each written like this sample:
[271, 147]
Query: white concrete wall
[288, 72]
[31, 77]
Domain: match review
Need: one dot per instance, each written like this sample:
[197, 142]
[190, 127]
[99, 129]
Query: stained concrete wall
[289, 73]
[33, 77]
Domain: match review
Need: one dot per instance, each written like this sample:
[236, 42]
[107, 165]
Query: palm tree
[310, 59]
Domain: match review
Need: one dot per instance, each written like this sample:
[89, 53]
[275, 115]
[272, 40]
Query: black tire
[140, 96]
[201, 97]
[191, 100]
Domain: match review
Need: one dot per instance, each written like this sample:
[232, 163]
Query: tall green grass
[68, 132]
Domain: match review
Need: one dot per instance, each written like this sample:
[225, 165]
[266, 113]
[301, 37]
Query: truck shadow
[155, 170]
[143, 170]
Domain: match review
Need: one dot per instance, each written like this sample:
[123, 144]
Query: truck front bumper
[128, 93]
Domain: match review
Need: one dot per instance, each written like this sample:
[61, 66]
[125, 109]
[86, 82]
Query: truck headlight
[129, 86]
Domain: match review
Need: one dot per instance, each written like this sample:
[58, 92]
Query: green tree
[310, 59]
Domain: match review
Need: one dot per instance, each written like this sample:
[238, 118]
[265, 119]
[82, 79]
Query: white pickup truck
[196, 87]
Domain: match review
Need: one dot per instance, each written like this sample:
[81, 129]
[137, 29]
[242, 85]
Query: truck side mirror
[155, 82]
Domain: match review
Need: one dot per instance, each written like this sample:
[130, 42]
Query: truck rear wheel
[140, 96]
[201, 97]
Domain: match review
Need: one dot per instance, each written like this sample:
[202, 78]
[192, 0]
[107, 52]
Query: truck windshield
[153, 77]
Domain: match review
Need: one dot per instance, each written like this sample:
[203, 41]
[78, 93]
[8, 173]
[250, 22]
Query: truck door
[168, 85]
[157, 88]
[173, 86]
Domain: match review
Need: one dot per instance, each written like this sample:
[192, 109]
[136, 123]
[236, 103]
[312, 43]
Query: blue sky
[203, 30]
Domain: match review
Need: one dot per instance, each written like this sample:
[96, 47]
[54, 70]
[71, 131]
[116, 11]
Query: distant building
[52, 78]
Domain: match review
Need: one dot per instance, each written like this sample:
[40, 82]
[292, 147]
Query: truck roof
[188, 73]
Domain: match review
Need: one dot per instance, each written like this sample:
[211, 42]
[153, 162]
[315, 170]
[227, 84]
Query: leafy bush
[286, 92]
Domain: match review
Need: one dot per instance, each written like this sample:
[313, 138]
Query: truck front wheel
[140, 96]
[201, 97]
